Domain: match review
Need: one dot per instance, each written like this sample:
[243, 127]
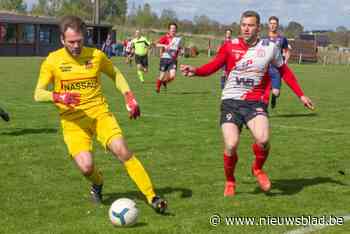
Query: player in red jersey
[170, 45]
[246, 94]
[228, 38]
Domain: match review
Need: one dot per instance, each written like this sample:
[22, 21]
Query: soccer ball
[123, 212]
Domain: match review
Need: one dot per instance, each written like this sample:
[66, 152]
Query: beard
[250, 40]
[75, 52]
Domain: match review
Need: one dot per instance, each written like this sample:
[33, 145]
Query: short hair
[251, 14]
[274, 18]
[228, 29]
[73, 22]
[172, 23]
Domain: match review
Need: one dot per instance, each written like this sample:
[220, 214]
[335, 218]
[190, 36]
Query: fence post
[300, 57]
[209, 48]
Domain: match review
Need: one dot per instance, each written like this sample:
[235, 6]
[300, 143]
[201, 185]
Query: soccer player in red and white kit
[170, 45]
[246, 94]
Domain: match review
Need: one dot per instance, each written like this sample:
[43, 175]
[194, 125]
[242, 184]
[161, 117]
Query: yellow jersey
[81, 75]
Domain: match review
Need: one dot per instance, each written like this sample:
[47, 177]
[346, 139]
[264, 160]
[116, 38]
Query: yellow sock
[95, 177]
[140, 73]
[139, 175]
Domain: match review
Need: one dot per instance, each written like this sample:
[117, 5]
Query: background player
[140, 46]
[246, 95]
[170, 45]
[107, 46]
[282, 43]
[128, 51]
[228, 38]
[75, 73]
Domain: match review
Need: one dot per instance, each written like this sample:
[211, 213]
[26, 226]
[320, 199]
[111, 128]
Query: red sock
[229, 166]
[261, 154]
[158, 84]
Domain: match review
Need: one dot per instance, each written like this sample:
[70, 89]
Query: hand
[66, 98]
[187, 70]
[307, 102]
[131, 105]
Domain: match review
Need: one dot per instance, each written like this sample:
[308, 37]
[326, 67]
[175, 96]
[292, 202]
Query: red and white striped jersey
[248, 78]
[174, 46]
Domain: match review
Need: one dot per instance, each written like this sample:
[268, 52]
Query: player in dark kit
[282, 43]
[246, 95]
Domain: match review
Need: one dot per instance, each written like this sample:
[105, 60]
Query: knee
[87, 169]
[231, 148]
[121, 151]
[276, 92]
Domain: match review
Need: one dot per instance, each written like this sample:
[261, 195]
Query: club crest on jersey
[88, 64]
[260, 53]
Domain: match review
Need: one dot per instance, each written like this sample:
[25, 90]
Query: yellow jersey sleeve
[113, 72]
[42, 94]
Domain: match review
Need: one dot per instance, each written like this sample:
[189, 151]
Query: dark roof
[6, 17]
[14, 18]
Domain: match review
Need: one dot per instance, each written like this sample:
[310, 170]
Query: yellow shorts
[78, 134]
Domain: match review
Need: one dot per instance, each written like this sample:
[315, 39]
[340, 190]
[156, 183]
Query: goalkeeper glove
[131, 105]
[66, 98]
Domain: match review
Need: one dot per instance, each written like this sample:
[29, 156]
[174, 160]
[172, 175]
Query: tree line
[116, 13]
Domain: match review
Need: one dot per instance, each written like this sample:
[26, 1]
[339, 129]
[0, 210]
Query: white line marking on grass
[313, 228]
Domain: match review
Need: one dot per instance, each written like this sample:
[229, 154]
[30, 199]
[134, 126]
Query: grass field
[179, 141]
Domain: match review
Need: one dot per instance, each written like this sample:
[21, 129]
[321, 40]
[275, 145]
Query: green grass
[179, 141]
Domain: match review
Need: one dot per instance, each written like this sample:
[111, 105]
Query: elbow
[36, 97]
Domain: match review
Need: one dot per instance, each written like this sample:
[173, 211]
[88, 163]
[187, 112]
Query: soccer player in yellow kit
[75, 73]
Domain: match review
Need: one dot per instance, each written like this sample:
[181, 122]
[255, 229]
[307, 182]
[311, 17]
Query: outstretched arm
[289, 77]
[207, 69]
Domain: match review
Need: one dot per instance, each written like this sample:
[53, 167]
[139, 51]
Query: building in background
[23, 35]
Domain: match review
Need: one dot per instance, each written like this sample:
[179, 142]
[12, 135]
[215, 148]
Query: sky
[312, 14]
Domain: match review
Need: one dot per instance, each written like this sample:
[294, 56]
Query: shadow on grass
[296, 115]
[294, 186]
[27, 131]
[109, 198]
[136, 225]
